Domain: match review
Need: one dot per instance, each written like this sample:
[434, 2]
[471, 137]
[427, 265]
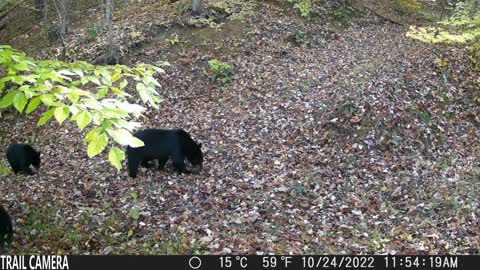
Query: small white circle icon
[195, 262]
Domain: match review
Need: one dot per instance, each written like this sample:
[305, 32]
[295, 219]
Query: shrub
[221, 71]
[405, 7]
[304, 6]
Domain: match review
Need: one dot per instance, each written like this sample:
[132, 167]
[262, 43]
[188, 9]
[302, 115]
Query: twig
[383, 17]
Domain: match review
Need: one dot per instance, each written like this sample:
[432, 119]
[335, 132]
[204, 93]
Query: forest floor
[348, 141]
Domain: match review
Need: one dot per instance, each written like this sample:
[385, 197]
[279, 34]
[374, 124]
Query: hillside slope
[348, 141]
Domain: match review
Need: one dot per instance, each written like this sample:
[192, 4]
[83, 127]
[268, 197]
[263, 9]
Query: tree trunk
[62, 8]
[64, 25]
[62, 13]
[109, 11]
[196, 6]
[39, 6]
[45, 13]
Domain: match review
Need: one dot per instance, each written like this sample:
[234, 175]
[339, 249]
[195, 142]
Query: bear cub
[21, 156]
[6, 229]
[162, 144]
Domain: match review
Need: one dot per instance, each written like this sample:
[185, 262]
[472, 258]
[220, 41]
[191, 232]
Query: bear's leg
[179, 164]
[13, 164]
[15, 168]
[6, 230]
[25, 167]
[133, 166]
[161, 162]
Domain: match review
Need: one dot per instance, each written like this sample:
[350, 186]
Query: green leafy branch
[92, 96]
[462, 27]
[221, 71]
[304, 6]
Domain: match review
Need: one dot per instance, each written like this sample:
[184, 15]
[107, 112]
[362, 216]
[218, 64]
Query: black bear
[161, 144]
[6, 229]
[21, 156]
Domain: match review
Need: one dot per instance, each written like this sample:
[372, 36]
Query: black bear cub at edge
[161, 144]
[6, 229]
[21, 156]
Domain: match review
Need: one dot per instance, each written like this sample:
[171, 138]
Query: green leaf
[44, 63]
[29, 92]
[97, 145]
[425, 117]
[49, 100]
[34, 102]
[298, 188]
[101, 92]
[134, 214]
[158, 69]
[123, 84]
[142, 92]
[7, 100]
[136, 142]
[92, 134]
[19, 101]
[46, 116]
[155, 82]
[115, 156]
[124, 137]
[83, 119]
[92, 104]
[73, 111]
[41, 88]
[95, 80]
[66, 72]
[114, 113]
[61, 113]
[394, 141]
[116, 76]
[73, 97]
[107, 125]
[21, 66]
[115, 90]
[106, 81]
[78, 71]
[5, 79]
[84, 80]
[128, 125]
[134, 109]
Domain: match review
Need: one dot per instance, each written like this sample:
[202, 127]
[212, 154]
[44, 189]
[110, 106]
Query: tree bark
[196, 6]
[109, 10]
[62, 13]
[39, 6]
[45, 13]
[62, 8]
[66, 10]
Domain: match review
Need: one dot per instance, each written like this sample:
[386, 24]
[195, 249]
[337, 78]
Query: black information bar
[239, 262]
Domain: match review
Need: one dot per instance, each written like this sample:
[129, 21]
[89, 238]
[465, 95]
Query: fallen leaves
[353, 144]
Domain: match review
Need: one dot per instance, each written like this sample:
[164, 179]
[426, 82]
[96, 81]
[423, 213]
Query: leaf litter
[351, 143]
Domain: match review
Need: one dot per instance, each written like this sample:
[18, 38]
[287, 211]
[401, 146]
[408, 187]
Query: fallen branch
[383, 17]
